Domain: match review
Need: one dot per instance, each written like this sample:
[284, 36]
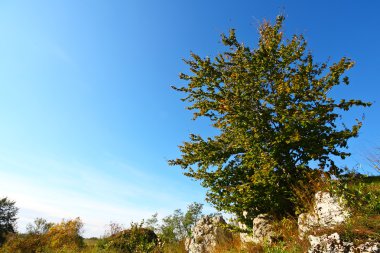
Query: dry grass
[358, 229]
[305, 190]
[289, 242]
[176, 247]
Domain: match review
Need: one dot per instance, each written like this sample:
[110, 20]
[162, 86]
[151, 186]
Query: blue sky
[88, 119]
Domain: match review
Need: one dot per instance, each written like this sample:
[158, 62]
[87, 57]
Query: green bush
[134, 240]
[362, 193]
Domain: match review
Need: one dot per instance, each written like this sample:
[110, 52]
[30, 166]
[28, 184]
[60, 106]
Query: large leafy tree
[8, 212]
[275, 119]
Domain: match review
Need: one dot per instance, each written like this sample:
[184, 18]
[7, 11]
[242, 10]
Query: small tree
[152, 222]
[113, 228]
[8, 212]
[177, 226]
[192, 215]
[275, 118]
[40, 226]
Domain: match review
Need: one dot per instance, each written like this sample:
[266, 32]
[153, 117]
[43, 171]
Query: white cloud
[53, 189]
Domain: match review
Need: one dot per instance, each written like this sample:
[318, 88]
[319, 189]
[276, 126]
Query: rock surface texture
[206, 234]
[245, 237]
[262, 230]
[333, 244]
[328, 211]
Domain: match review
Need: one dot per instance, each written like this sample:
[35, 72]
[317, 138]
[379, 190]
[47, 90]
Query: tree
[113, 228]
[8, 212]
[193, 214]
[152, 222]
[40, 226]
[177, 226]
[277, 125]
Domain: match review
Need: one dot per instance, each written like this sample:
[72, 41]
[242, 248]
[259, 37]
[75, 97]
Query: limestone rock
[333, 244]
[328, 211]
[262, 230]
[245, 237]
[306, 222]
[329, 244]
[206, 234]
[369, 247]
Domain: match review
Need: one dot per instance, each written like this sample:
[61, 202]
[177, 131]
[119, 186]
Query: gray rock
[333, 244]
[328, 211]
[206, 234]
[329, 244]
[245, 237]
[262, 230]
[369, 247]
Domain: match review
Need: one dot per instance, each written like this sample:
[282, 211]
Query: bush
[65, 236]
[29, 243]
[133, 240]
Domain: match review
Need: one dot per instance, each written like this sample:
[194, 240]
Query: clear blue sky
[88, 119]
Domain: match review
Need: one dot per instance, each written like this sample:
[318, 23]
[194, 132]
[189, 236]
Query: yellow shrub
[65, 236]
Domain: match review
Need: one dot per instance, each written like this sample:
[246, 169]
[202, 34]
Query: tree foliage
[177, 226]
[8, 212]
[275, 118]
[40, 226]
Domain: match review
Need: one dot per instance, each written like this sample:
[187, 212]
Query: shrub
[65, 236]
[133, 240]
[29, 243]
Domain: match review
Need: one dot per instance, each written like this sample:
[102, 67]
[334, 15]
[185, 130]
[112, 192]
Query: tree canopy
[276, 120]
[177, 226]
[8, 212]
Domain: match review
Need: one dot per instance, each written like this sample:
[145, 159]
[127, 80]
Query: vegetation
[168, 235]
[40, 226]
[272, 108]
[8, 212]
[134, 240]
[47, 237]
[278, 136]
[61, 237]
[177, 227]
[362, 196]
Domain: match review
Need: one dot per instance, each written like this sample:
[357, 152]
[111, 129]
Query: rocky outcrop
[262, 230]
[333, 244]
[328, 211]
[206, 235]
[245, 237]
